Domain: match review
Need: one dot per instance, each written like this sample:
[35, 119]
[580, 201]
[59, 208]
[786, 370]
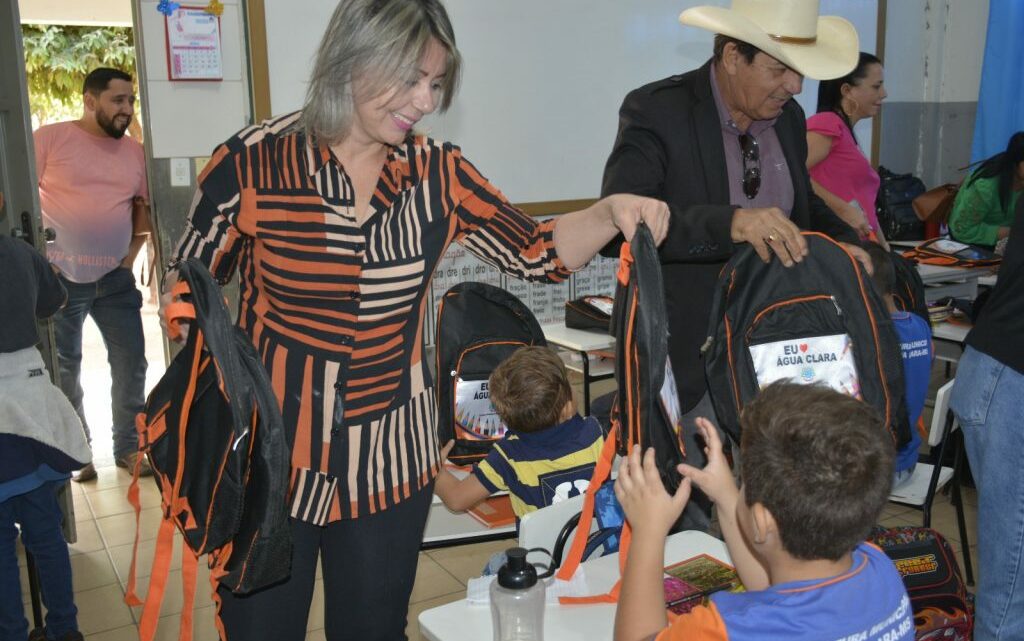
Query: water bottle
[517, 600]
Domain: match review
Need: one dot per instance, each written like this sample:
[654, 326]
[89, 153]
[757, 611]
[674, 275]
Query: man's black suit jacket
[669, 147]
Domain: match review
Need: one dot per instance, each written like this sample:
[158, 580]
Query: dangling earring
[851, 112]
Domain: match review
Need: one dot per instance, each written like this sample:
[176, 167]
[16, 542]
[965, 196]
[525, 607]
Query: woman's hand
[855, 217]
[167, 298]
[627, 210]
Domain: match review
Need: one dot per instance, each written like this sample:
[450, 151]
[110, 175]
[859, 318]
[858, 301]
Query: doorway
[60, 42]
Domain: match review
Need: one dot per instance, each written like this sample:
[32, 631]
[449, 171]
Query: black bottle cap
[517, 574]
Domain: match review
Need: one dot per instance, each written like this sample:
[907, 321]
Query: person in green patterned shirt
[983, 211]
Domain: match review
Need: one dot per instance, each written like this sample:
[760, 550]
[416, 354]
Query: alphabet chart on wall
[193, 45]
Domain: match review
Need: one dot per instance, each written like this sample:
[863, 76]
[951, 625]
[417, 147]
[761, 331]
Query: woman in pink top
[840, 173]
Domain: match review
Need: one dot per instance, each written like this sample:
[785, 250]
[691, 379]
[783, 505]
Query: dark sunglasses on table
[751, 165]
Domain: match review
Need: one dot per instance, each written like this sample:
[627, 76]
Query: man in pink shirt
[92, 188]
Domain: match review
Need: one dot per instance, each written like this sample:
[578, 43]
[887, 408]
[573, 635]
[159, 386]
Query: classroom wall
[543, 81]
[933, 55]
[186, 120]
[934, 52]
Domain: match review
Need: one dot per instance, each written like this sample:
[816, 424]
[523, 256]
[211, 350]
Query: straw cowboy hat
[791, 31]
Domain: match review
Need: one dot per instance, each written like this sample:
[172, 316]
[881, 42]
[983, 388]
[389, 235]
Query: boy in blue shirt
[915, 336]
[549, 451]
[816, 467]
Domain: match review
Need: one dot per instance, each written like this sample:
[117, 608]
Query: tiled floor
[102, 556]
[106, 528]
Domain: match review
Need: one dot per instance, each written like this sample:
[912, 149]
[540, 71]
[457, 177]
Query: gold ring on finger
[772, 238]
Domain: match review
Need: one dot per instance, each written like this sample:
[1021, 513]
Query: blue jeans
[114, 303]
[39, 515]
[987, 400]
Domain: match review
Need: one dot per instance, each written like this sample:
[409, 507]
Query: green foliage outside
[57, 59]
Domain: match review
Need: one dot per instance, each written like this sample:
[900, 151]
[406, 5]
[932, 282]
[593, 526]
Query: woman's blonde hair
[381, 42]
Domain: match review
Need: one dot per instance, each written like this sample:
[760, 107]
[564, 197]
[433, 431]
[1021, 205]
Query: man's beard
[107, 125]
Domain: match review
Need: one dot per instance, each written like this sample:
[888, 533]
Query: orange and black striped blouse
[336, 308]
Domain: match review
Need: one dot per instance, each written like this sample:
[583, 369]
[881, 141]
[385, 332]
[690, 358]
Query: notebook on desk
[495, 511]
[689, 583]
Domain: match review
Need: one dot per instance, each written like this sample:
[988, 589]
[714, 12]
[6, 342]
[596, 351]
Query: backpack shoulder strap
[579, 543]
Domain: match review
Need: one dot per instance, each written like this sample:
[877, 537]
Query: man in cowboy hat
[725, 147]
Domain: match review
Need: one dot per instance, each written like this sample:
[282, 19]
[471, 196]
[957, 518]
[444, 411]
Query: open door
[20, 215]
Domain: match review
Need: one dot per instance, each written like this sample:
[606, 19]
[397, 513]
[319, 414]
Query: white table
[948, 340]
[958, 282]
[582, 342]
[446, 528]
[460, 621]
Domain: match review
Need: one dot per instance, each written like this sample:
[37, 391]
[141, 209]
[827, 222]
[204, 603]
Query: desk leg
[586, 383]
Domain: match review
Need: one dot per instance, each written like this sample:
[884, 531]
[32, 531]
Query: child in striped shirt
[549, 451]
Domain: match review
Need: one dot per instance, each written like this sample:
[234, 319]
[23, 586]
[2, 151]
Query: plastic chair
[540, 528]
[927, 479]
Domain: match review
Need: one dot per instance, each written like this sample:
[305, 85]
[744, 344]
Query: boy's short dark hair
[884, 277]
[821, 462]
[99, 79]
[529, 389]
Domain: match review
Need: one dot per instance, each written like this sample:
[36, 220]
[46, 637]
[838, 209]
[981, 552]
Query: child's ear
[568, 410]
[763, 523]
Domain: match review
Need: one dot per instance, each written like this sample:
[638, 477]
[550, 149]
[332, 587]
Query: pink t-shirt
[845, 171]
[86, 187]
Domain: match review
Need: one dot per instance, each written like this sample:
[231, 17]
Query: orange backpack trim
[923, 253]
[602, 471]
[173, 506]
[572, 561]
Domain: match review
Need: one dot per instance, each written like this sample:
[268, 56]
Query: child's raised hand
[643, 496]
[715, 479]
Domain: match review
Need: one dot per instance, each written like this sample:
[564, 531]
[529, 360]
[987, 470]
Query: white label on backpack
[949, 246]
[826, 360]
[600, 303]
[474, 412]
[670, 399]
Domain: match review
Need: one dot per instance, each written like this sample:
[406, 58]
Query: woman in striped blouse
[335, 218]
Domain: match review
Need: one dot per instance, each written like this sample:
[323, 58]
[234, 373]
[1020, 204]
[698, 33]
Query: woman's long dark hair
[830, 95]
[1004, 165]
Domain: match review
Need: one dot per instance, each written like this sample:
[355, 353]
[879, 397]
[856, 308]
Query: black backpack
[646, 410]
[478, 326]
[894, 205]
[640, 326]
[938, 596]
[908, 292]
[819, 321]
[214, 436]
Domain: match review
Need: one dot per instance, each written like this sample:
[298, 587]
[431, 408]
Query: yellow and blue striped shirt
[541, 468]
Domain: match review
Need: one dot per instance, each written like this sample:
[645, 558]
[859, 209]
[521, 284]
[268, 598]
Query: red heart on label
[803, 347]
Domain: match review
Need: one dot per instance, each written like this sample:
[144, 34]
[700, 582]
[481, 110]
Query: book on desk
[494, 511]
[688, 583]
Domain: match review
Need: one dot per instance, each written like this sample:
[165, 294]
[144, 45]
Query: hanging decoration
[167, 7]
[215, 8]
